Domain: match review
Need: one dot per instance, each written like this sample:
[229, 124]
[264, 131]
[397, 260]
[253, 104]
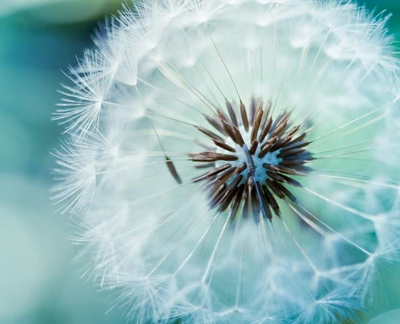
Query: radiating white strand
[141, 95]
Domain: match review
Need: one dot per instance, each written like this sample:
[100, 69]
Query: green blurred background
[39, 281]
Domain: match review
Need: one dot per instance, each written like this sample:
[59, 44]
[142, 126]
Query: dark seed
[256, 124]
[212, 173]
[243, 113]
[172, 170]
[253, 147]
[211, 156]
[236, 202]
[216, 124]
[265, 130]
[209, 133]
[224, 146]
[232, 113]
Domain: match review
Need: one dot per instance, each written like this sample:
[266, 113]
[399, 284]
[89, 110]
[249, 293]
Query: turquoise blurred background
[39, 281]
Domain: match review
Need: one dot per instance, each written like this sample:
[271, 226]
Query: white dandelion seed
[234, 161]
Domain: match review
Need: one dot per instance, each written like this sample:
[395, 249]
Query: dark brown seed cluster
[233, 182]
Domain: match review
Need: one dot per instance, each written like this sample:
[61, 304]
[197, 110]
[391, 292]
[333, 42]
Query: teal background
[39, 280]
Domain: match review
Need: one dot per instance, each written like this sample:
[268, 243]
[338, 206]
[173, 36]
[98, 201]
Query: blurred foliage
[39, 281]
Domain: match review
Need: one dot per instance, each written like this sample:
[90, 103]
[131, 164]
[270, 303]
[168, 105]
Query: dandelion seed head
[235, 161]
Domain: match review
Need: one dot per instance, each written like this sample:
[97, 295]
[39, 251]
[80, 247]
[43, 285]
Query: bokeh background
[40, 283]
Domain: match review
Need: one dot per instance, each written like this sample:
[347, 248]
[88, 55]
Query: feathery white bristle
[135, 123]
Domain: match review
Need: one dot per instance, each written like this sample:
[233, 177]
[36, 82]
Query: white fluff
[157, 69]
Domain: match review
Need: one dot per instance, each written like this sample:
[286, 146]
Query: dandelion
[234, 161]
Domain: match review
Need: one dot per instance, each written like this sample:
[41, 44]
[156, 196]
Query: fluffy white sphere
[188, 208]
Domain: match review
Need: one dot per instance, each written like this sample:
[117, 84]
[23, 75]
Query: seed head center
[270, 158]
[253, 160]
